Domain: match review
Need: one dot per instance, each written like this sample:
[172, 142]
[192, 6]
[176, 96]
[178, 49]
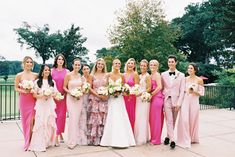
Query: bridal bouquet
[102, 91]
[59, 96]
[126, 88]
[86, 86]
[135, 89]
[47, 91]
[77, 92]
[27, 84]
[145, 96]
[115, 88]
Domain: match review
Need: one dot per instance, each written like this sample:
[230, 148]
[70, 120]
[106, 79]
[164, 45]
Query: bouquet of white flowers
[115, 88]
[48, 91]
[145, 96]
[27, 84]
[135, 89]
[59, 96]
[126, 88]
[102, 91]
[77, 92]
[85, 88]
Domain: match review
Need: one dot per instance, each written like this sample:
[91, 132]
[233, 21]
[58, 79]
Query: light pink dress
[97, 110]
[188, 124]
[27, 112]
[44, 130]
[130, 101]
[156, 117]
[74, 106]
[141, 131]
[58, 77]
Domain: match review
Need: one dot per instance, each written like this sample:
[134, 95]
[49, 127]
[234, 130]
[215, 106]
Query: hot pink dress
[27, 112]
[188, 124]
[130, 101]
[97, 110]
[58, 77]
[74, 106]
[156, 117]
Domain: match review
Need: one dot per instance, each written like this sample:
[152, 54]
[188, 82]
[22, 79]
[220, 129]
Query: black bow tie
[172, 73]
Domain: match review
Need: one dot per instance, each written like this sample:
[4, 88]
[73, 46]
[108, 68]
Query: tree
[70, 44]
[2, 58]
[4, 66]
[141, 32]
[207, 31]
[40, 40]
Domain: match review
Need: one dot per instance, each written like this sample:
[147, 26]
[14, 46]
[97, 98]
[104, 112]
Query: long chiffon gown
[27, 112]
[44, 130]
[188, 124]
[156, 117]
[58, 76]
[74, 106]
[141, 131]
[117, 130]
[130, 101]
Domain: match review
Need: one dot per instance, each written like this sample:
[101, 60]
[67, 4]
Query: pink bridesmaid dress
[27, 112]
[141, 131]
[58, 77]
[156, 117]
[130, 102]
[74, 106]
[188, 124]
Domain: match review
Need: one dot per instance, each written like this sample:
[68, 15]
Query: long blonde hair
[94, 69]
[130, 59]
[25, 59]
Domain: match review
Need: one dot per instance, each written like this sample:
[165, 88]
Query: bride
[117, 130]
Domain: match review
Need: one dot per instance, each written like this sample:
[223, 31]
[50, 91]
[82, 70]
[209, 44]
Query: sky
[93, 16]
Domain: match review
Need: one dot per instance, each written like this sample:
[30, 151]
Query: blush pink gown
[156, 117]
[130, 102]
[74, 109]
[27, 112]
[58, 77]
[188, 124]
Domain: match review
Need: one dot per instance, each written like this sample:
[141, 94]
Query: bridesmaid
[82, 139]
[98, 105]
[156, 117]
[131, 78]
[44, 130]
[188, 123]
[26, 99]
[142, 108]
[58, 74]
[74, 105]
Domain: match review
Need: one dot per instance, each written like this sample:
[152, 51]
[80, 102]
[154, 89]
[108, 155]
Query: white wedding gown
[117, 129]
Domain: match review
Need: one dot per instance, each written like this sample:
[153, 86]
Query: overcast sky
[93, 16]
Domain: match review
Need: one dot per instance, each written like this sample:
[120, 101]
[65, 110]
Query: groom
[173, 90]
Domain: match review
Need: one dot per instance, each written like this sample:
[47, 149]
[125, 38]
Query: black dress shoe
[172, 145]
[166, 141]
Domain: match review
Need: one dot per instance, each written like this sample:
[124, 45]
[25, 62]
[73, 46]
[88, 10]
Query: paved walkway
[217, 139]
